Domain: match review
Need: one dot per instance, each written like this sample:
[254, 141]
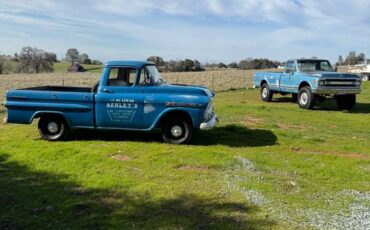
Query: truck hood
[186, 89]
[332, 75]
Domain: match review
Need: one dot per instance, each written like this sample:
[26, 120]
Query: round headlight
[358, 83]
[321, 83]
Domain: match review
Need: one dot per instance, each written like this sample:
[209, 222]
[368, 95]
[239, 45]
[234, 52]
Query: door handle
[107, 91]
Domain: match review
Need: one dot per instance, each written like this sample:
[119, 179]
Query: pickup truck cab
[130, 95]
[308, 80]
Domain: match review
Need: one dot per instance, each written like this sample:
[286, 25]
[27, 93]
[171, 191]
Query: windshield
[314, 65]
[151, 76]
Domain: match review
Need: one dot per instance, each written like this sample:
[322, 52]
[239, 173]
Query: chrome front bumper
[209, 124]
[341, 91]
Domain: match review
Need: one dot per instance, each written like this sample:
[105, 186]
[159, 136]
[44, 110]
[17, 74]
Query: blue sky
[207, 30]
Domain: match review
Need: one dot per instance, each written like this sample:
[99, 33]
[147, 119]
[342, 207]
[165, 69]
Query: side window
[122, 76]
[290, 66]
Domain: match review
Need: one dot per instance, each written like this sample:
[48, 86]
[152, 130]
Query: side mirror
[336, 69]
[289, 71]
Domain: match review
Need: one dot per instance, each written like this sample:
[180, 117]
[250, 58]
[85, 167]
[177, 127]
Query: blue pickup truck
[130, 95]
[309, 80]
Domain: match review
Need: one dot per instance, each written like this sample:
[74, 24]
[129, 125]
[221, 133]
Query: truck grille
[340, 82]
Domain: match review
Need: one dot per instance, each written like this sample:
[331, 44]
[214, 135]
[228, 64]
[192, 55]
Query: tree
[233, 65]
[35, 60]
[361, 58]
[84, 59]
[221, 65]
[340, 60]
[157, 60]
[72, 55]
[2, 65]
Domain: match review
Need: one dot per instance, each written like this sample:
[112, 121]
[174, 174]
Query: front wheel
[306, 98]
[266, 93]
[177, 130]
[365, 77]
[53, 128]
[346, 102]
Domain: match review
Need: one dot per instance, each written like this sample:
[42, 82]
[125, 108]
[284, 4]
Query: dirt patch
[120, 157]
[252, 121]
[290, 126]
[199, 168]
[334, 153]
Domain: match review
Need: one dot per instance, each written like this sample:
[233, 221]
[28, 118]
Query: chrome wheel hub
[176, 131]
[53, 127]
[264, 92]
[304, 98]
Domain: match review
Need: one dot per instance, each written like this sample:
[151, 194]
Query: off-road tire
[306, 99]
[266, 93]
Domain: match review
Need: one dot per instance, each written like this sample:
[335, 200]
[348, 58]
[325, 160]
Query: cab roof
[137, 64]
[307, 59]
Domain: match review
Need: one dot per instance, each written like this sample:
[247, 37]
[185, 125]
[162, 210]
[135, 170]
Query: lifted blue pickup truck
[308, 80]
[130, 95]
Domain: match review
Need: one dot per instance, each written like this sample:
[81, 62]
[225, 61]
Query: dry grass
[217, 80]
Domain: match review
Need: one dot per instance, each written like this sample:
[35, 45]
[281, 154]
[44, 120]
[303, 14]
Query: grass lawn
[266, 166]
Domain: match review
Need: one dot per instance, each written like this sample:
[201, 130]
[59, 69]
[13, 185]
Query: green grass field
[266, 166]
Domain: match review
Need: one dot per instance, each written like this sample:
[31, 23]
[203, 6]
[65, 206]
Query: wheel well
[263, 82]
[175, 113]
[303, 84]
[39, 115]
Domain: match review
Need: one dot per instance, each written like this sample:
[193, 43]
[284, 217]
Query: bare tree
[72, 55]
[35, 60]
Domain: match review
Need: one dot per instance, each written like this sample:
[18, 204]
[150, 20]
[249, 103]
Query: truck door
[119, 101]
[287, 78]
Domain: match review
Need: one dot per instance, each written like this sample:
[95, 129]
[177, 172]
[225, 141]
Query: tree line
[35, 60]
[352, 59]
[188, 65]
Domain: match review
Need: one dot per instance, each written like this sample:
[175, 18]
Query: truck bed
[272, 78]
[76, 104]
[60, 89]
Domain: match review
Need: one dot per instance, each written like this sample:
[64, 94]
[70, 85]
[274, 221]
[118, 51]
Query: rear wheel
[346, 101]
[266, 93]
[53, 128]
[306, 98]
[177, 130]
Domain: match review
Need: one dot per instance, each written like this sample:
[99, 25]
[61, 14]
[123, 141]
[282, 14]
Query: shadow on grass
[328, 105]
[230, 135]
[40, 200]
[235, 136]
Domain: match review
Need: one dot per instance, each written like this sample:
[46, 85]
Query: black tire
[266, 93]
[346, 102]
[294, 97]
[53, 128]
[177, 130]
[306, 99]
